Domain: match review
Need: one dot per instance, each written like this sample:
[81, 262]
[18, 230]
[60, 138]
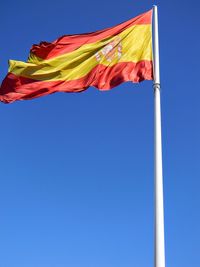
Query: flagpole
[159, 257]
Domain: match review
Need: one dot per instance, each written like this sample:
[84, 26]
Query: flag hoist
[102, 59]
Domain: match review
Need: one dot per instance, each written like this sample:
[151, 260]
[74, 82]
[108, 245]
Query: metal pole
[159, 260]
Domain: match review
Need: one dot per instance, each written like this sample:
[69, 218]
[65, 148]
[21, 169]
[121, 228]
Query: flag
[102, 59]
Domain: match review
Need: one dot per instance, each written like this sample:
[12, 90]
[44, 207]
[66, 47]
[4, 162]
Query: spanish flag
[72, 63]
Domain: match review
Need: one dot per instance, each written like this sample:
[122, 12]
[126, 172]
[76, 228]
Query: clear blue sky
[76, 185]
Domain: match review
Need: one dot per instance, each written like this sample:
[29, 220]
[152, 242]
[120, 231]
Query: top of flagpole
[156, 47]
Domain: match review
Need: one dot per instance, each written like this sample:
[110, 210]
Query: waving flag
[72, 63]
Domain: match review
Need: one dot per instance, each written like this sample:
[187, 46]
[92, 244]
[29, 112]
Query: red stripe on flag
[102, 77]
[68, 43]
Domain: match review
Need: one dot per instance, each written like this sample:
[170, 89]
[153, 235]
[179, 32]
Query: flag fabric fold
[72, 63]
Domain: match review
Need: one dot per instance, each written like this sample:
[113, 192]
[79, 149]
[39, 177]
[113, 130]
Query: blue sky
[76, 185]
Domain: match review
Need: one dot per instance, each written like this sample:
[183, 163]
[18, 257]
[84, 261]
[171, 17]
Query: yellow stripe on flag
[132, 45]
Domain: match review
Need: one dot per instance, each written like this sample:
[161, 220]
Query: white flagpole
[159, 260]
